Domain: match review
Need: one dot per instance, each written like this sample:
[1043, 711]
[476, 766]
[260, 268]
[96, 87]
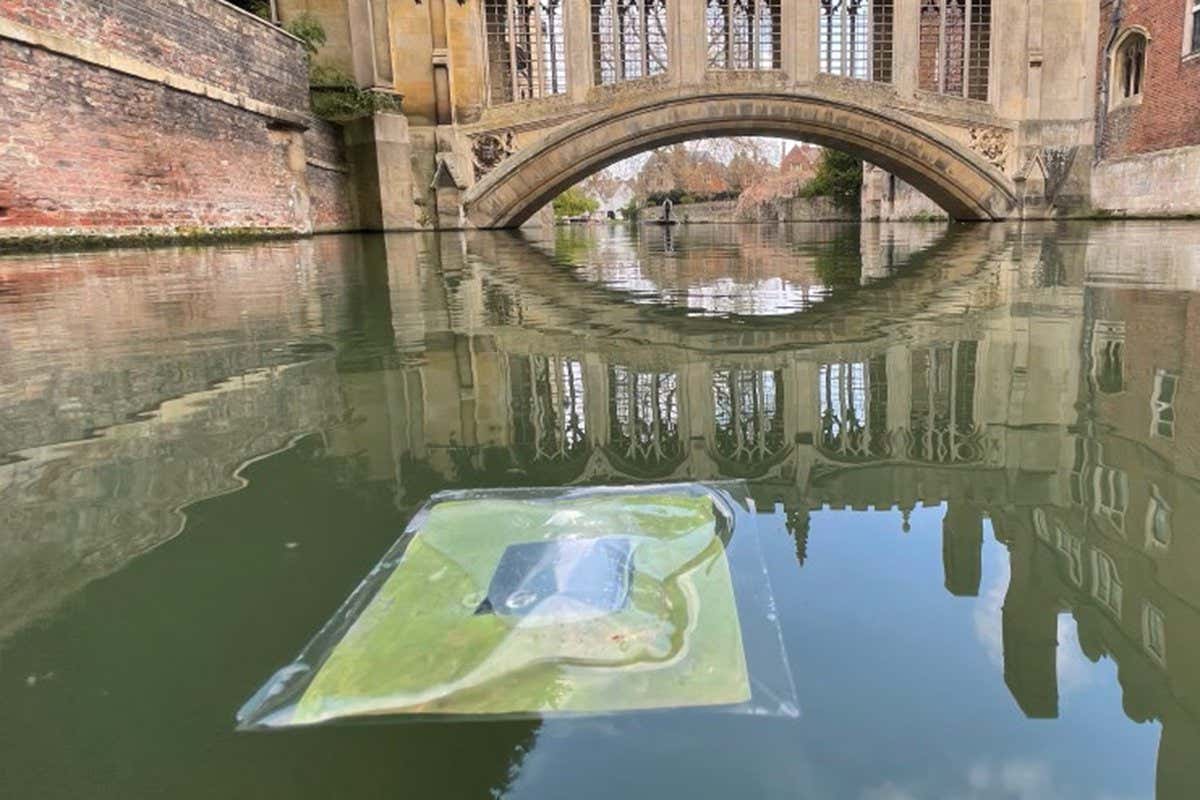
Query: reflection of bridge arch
[949, 173]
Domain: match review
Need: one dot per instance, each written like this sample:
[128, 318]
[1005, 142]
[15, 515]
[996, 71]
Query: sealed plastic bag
[541, 602]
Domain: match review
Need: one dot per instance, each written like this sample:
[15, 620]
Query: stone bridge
[508, 102]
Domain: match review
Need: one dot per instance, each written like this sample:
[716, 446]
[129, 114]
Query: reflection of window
[644, 418]
[1108, 356]
[942, 416]
[1162, 404]
[853, 400]
[1128, 68]
[1040, 526]
[1154, 632]
[629, 39]
[1072, 549]
[856, 39]
[744, 34]
[748, 407]
[526, 49]
[954, 55]
[548, 407]
[1112, 495]
[1158, 521]
[1106, 583]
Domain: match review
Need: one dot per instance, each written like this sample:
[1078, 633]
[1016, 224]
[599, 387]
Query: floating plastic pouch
[545, 602]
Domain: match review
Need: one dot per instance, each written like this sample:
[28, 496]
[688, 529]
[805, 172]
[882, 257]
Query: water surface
[975, 454]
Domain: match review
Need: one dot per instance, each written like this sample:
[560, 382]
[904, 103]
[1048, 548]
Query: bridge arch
[959, 180]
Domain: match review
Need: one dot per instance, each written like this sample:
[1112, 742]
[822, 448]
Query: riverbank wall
[795, 209]
[177, 118]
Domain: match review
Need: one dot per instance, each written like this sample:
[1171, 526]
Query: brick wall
[95, 142]
[1168, 115]
[329, 185]
[205, 39]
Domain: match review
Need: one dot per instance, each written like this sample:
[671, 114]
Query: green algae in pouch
[534, 603]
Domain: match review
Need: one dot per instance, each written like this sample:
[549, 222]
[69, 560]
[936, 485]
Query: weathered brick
[88, 149]
[1168, 115]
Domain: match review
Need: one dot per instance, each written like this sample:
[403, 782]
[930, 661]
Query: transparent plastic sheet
[550, 602]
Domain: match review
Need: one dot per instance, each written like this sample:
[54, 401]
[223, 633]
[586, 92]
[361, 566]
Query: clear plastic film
[544, 602]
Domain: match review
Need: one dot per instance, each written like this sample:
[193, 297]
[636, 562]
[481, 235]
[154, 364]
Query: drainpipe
[1114, 27]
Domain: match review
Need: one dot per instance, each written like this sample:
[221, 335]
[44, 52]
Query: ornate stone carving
[992, 144]
[489, 149]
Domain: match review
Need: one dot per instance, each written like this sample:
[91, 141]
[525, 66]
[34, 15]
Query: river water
[974, 451]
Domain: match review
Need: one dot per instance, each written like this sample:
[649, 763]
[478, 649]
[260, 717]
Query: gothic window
[853, 400]
[744, 34]
[748, 406]
[1111, 498]
[549, 424]
[856, 39]
[1158, 522]
[1154, 632]
[1108, 356]
[644, 420]
[942, 422]
[955, 46]
[1162, 404]
[629, 39]
[1193, 46]
[1127, 72]
[1106, 583]
[526, 49]
[1071, 548]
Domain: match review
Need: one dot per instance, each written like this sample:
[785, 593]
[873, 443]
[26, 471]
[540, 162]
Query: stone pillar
[899, 388]
[361, 18]
[577, 21]
[1030, 634]
[595, 398]
[804, 401]
[689, 50]
[800, 50]
[378, 150]
[906, 46]
[962, 544]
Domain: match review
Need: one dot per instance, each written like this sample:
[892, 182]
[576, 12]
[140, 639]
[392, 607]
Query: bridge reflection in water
[1025, 380]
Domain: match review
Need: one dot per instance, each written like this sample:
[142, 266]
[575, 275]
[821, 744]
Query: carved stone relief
[489, 149]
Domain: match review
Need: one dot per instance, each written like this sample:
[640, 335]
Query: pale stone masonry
[503, 115]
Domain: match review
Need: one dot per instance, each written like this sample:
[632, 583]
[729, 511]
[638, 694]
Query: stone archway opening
[949, 173]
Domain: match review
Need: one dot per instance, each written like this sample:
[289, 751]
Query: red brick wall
[93, 151]
[1169, 114]
[204, 39]
[86, 150]
[329, 187]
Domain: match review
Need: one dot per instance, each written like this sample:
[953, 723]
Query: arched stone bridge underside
[951, 174]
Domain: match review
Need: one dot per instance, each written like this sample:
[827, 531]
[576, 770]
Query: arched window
[744, 34]
[954, 48]
[856, 39]
[1191, 43]
[1128, 69]
[629, 39]
[526, 48]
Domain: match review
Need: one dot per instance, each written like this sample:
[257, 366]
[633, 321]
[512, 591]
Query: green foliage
[335, 96]
[839, 177]
[309, 30]
[631, 210]
[574, 203]
[261, 8]
[839, 262]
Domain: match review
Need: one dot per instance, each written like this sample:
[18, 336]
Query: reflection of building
[1011, 377]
